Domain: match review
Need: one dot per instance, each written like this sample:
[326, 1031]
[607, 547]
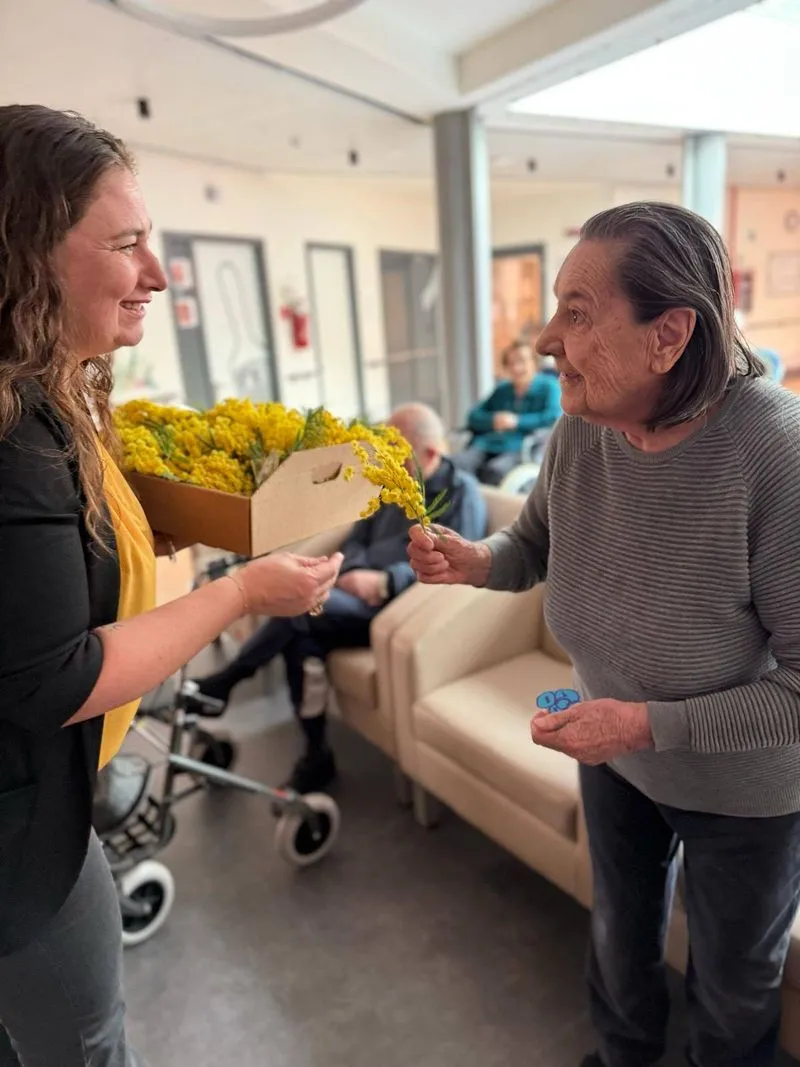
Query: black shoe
[313, 772]
[214, 687]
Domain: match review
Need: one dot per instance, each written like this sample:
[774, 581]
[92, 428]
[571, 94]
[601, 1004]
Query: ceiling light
[206, 25]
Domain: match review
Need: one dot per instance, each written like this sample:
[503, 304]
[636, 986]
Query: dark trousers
[344, 623]
[742, 893]
[61, 996]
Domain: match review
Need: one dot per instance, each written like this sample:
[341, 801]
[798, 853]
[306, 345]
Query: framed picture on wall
[181, 272]
[187, 317]
[783, 274]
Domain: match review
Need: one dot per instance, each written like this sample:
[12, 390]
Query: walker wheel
[303, 838]
[146, 896]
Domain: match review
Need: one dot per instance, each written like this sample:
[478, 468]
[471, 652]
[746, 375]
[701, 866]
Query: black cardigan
[57, 586]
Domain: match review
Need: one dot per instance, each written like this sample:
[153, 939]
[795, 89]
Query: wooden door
[517, 297]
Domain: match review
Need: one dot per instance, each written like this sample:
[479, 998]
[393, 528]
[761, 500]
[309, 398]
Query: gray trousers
[61, 996]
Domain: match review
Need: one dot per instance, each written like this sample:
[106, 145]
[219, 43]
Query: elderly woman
[80, 638]
[666, 521]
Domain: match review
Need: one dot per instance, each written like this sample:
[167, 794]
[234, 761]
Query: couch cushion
[482, 723]
[353, 671]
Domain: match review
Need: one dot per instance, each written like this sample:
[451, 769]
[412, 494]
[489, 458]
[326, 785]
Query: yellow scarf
[137, 583]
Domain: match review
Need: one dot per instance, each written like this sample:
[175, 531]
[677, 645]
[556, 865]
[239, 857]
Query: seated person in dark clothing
[375, 570]
[527, 402]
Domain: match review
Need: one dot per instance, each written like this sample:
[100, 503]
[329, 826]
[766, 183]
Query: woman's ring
[318, 608]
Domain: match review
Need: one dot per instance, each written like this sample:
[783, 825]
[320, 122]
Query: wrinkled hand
[442, 557]
[283, 584]
[594, 731]
[365, 584]
[505, 420]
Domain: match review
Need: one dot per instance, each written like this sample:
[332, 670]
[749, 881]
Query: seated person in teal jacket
[527, 402]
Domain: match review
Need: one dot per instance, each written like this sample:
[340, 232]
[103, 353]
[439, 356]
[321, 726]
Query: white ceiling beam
[370, 53]
[570, 37]
[390, 40]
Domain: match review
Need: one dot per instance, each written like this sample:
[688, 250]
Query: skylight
[738, 75]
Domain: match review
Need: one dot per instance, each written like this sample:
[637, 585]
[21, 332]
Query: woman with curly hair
[80, 637]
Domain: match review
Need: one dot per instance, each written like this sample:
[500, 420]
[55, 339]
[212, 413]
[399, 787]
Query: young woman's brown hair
[50, 166]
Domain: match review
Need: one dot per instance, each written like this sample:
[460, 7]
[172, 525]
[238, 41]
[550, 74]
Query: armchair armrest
[382, 631]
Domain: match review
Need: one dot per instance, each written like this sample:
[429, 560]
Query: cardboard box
[306, 495]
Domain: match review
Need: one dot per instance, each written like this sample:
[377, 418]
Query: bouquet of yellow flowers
[236, 445]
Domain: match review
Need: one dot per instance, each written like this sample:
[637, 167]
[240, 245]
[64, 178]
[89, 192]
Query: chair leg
[427, 810]
[402, 788]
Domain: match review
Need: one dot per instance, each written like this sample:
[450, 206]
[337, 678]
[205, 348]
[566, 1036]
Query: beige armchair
[465, 677]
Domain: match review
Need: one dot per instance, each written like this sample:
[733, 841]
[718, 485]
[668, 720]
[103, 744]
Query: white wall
[284, 212]
[764, 235]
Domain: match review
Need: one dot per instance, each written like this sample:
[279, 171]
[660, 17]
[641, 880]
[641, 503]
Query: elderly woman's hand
[594, 731]
[440, 556]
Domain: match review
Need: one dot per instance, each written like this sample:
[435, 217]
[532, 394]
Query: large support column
[704, 169]
[462, 186]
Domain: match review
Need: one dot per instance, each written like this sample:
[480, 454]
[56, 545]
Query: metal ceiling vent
[210, 26]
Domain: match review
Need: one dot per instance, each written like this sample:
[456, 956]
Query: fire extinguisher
[743, 290]
[297, 318]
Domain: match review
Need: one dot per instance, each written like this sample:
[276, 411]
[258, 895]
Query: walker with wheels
[135, 820]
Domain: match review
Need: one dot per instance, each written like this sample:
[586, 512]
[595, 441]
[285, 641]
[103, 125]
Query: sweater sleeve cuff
[503, 555]
[669, 723]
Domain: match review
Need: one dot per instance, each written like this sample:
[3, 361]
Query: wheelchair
[522, 478]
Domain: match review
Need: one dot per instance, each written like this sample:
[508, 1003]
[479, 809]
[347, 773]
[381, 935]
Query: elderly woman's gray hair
[672, 258]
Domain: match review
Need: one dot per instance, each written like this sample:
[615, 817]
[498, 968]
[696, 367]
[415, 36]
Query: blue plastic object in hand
[557, 700]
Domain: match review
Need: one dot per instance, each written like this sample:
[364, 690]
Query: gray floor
[405, 948]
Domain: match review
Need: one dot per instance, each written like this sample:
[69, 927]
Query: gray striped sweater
[674, 578]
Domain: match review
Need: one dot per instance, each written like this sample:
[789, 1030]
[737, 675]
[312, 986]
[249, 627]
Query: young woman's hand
[283, 584]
